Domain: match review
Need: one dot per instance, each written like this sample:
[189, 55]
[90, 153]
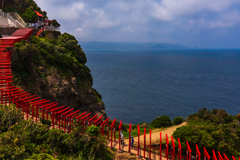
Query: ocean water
[137, 86]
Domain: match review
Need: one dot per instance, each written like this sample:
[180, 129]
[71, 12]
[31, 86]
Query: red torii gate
[129, 138]
[173, 148]
[90, 121]
[46, 105]
[63, 116]
[138, 148]
[219, 156]
[85, 118]
[59, 116]
[206, 155]
[2, 91]
[214, 155]
[179, 150]
[26, 105]
[198, 154]
[21, 102]
[9, 93]
[49, 108]
[167, 145]
[120, 130]
[32, 100]
[98, 121]
[53, 113]
[17, 98]
[36, 103]
[189, 151]
[69, 118]
[144, 142]
[112, 126]
[80, 116]
[16, 92]
[102, 127]
[225, 157]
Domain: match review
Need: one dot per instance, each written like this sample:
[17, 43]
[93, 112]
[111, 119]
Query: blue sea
[139, 85]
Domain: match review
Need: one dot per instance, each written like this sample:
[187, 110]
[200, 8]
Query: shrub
[162, 121]
[42, 156]
[238, 116]
[178, 120]
[9, 116]
[44, 121]
[93, 130]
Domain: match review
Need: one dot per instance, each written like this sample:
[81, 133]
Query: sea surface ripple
[137, 86]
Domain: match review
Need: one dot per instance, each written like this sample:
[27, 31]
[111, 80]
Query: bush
[215, 130]
[178, 120]
[9, 116]
[42, 156]
[162, 121]
[44, 121]
[238, 117]
[93, 130]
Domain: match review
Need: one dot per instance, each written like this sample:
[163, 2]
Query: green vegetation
[178, 120]
[20, 139]
[29, 16]
[62, 56]
[215, 130]
[162, 121]
[55, 23]
[22, 7]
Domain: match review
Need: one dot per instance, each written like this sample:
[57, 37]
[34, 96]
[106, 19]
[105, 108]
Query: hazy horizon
[200, 23]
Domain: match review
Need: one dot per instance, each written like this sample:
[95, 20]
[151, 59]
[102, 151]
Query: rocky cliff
[54, 68]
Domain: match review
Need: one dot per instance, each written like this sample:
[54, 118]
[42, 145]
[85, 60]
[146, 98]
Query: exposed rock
[36, 71]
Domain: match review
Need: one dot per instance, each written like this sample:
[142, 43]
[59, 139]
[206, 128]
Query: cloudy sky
[201, 23]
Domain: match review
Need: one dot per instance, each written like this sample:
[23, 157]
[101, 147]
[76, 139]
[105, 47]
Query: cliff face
[55, 69]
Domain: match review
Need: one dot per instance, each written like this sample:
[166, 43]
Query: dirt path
[156, 134]
[155, 140]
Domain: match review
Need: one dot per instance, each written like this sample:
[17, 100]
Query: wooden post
[198, 154]
[112, 125]
[150, 146]
[179, 150]
[167, 146]
[120, 130]
[129, 138]
[206, 155]
[144, 143]
[214, 155]
[189, 151]
[138, 140]
[160, 147]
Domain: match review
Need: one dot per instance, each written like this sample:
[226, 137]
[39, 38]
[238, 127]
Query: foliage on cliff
[215, 130]
[21, 6]
[63, 54]
[55, 69]
[21, 139]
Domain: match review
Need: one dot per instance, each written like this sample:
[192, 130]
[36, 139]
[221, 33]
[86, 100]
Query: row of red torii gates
[62, 117]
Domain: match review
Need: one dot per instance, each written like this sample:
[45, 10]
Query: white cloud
[138, 20]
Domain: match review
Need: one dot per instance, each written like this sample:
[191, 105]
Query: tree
[29, 16]
[178, 120]
[55, 23]
[162, 121]
[44, 13]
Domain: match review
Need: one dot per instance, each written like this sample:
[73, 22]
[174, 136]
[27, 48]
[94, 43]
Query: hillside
[20, 6]
[55, 69]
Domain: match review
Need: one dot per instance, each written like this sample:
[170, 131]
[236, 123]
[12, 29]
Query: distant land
[131, 45]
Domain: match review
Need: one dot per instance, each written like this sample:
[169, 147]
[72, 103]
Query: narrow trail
[156, 134]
